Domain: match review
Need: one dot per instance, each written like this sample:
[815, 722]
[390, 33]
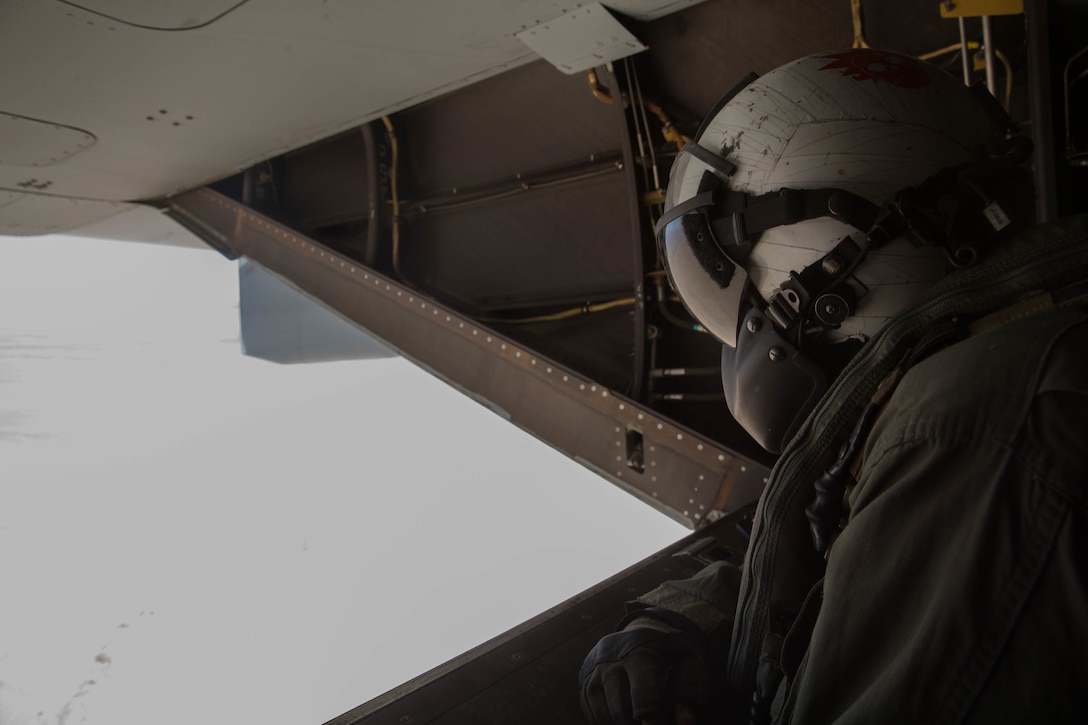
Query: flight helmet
[819, 200]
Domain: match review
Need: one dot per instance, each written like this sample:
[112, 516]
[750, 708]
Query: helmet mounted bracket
[819, 296]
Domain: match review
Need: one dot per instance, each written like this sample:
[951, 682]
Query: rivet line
[345, 263]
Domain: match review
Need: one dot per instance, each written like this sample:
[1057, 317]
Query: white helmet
[819, 200]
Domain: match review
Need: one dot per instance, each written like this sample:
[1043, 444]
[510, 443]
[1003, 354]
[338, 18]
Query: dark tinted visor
[710, 285]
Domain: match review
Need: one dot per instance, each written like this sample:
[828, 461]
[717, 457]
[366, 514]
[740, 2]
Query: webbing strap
[699, 201]
[1072, 295]
[719, 163]
[757, 214]
[789, 206]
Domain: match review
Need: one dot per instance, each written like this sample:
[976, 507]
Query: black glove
[647, 672]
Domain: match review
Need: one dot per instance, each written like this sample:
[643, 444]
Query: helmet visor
[710, 284]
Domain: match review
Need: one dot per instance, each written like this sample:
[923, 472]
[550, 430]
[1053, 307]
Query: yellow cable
[393, 193]
[946, 50]
[564, 315]
[595, 88]
[859, 35]
[669, 131]
[973, 45]
[1008, 78]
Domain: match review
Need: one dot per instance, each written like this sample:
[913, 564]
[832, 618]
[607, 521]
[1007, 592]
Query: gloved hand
[648, 673]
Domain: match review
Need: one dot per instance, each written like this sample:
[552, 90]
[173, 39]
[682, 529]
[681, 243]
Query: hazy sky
[189, 535]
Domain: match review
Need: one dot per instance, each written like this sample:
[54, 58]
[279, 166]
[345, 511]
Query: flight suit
[955, 588]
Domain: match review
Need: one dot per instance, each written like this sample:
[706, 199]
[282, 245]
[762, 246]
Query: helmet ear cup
[770, 387]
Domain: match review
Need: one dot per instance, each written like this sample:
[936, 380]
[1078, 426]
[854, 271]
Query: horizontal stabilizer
[285, 326]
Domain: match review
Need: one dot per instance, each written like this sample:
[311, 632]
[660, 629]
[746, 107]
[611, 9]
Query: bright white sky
[190, 535]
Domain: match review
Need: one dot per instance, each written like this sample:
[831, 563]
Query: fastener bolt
[832, 264]
[776, 354]
[755, 324]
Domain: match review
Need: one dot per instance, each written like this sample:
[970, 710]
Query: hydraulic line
[523, 184]
[859, 32]
[659, 281]
[988, 49]
[669, 131]
[370, 253]
[263, 177]
[1070, 147]
[963, 45]
[1008, 78]
[691, 397]
[640, 115]
[973, 45]
[563, 315]
[598, 92]
[394, 153]
[636, 227]
[638, 132]
[653, 198]
[682, 372]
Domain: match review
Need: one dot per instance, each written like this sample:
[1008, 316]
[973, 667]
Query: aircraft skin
[108, 102]
[131, 105]
[416, 167]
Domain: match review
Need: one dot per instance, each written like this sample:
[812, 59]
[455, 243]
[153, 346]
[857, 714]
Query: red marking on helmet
[866, 64]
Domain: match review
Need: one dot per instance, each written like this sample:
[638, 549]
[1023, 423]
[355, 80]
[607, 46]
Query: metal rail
[671, 467]
[527, 675]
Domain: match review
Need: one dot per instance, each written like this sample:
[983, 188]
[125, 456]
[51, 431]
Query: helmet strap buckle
[820, 294]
